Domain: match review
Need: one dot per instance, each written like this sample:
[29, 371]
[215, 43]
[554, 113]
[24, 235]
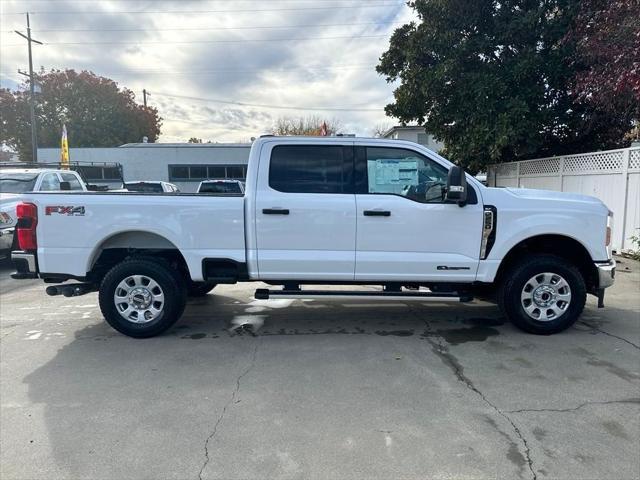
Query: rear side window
[72, 179]
[220, 187]
[144, 187]
[311, 168]
[50, 183]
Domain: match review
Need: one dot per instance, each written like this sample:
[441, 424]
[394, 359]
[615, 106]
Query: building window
[197, 173]
[423, 139]
[217, 172]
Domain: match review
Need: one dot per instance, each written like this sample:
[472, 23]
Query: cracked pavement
[323, 389]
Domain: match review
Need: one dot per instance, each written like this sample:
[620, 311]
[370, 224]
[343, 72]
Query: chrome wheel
[546, 296]
[139, 299]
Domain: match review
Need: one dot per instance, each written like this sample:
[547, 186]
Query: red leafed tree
[606, 35]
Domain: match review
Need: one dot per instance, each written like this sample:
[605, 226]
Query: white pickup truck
[14, 181]
[319, 211]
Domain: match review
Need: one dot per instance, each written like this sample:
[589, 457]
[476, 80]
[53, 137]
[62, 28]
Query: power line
[236, 72]
[190, 42]
[144, 1]
[262, 105]
[196, 29]
[187, 12]
[155, 71]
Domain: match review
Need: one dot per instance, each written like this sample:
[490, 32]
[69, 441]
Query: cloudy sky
[265, 59]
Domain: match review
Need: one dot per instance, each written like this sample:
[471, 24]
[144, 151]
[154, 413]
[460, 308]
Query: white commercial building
[184, 164]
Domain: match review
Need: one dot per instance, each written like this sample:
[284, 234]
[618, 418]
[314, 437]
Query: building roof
[403, 127]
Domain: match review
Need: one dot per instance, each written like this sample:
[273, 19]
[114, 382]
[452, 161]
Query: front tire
[142, 297]
[543, 294]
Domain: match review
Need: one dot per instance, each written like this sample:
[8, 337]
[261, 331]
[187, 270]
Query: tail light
[26, 227]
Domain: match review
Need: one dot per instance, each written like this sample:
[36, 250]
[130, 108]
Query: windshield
[144, 187]
[17, 182]
[220, 187]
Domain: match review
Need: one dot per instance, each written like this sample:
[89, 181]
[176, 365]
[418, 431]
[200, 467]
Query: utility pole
[144, 96]
[34, 137]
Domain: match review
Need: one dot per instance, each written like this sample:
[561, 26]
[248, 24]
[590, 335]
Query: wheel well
[129, 244]
[559, 245]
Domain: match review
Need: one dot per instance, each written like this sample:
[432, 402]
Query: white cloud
[155, 55]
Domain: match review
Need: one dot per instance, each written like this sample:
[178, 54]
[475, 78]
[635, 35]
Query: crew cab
[318, 211]
[16, 181]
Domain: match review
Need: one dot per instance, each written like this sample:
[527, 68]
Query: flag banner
[64, 149]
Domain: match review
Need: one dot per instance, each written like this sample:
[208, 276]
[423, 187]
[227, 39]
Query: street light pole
[32, 103]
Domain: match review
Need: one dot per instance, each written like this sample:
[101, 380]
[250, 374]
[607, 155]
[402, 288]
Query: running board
[266, 294]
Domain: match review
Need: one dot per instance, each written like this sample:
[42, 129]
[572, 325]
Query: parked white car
[325, 210]
[16, 181]
[221, 186]
[145, 186]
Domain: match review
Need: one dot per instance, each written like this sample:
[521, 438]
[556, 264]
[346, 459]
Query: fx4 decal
[62, 210]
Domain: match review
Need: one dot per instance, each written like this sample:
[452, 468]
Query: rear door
[305, 212]
[406, 230]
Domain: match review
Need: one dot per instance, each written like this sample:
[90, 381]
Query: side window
[72, 179]
[50, 183]
[311, 168]
[404, 172]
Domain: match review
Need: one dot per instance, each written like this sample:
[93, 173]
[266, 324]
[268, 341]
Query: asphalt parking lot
[325, 389]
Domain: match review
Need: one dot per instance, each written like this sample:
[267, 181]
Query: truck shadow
[215, 317]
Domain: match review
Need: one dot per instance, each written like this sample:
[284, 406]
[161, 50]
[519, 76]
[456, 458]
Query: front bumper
[606, 273]
[25, 264]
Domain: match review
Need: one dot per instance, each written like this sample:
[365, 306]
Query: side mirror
[457, 186]
[65, 186]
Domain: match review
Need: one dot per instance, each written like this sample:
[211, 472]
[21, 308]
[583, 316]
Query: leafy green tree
[96, 111]
[492, 80]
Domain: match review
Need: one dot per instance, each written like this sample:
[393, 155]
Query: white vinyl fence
[613, 176]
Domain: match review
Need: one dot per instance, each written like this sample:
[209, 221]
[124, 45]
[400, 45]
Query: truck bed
[200, 226]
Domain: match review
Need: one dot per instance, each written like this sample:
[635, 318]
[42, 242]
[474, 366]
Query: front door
[406, 231]
[305, 212]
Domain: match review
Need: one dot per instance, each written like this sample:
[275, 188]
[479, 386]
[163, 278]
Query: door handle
[377, 213]
[275, 211]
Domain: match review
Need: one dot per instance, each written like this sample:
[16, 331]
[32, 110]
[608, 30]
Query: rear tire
[543, 294]
[199, 289]
[142, 297]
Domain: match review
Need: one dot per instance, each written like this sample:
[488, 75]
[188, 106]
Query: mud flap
[601, 298]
